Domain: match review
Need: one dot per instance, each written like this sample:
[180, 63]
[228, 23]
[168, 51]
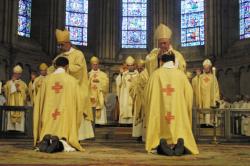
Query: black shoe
[165, 149]
[179, 147]
[54, 146]
[44, 144]
[159, 150]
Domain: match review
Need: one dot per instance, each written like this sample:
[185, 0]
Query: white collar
[129, 72]
[95, 71]
[59, 70]
[70, 50]
[169, 65]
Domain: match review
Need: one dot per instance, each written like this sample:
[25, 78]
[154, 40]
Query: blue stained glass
[244, 19]
[134, 24]
[192, 23]
[77, 21]
[24, 18]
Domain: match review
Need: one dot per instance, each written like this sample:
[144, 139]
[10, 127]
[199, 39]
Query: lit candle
[214, 72]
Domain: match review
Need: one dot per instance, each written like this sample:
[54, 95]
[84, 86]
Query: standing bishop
[136, 91]
[16, 93]
[78, 69]
[99, 86]
[163, 37]
[123, 83]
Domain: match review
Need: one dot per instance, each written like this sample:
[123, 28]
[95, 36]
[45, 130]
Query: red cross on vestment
[206, 79]
[55, 114]
[57, 87]
[169, 117]
[168, 90]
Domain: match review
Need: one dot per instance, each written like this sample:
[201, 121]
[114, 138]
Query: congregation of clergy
[155, 95]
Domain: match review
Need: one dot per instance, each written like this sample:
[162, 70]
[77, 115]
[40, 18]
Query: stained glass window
[244, 19]
[24, 18]
[134, 24]
[192, 23]
[77, 21]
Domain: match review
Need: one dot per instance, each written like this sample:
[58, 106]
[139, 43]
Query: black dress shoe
[179, 147]
[44, 144]
[55, 145]
[159, 150]
[164, 148]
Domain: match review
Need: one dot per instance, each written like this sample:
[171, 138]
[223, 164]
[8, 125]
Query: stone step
[116, 133]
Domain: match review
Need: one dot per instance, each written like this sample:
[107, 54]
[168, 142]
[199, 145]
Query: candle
[214, 77]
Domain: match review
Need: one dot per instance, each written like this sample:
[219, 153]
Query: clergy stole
[15, 92]
[125, 100]
[136, 91]
[98, 90]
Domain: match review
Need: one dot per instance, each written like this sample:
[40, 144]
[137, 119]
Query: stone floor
[120, 152]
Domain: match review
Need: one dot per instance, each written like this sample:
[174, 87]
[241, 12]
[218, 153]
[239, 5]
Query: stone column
[213, 30]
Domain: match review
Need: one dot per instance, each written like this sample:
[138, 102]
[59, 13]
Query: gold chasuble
[16, 94]
[136, 91]
[196, 89]
[58, 108]
[37, 83]
[78, 69]
[99, 84]
[169, 107]
[126, 102]
[31, 89]
[209, 90]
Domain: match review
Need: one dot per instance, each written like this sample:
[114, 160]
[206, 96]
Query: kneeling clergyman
[58, 109]
[169, 107]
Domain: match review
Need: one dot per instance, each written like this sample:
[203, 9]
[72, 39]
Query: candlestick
[214, 77]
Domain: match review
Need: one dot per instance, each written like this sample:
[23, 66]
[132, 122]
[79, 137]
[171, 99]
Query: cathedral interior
[220, 31]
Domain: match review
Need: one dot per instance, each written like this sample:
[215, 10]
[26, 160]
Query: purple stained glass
[134, 24]
[244, 19]
[77, 21]
[192, 23]
[24, 18]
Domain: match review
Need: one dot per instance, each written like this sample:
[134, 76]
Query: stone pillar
[107, 41]
[213, 40]
[161, 11]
